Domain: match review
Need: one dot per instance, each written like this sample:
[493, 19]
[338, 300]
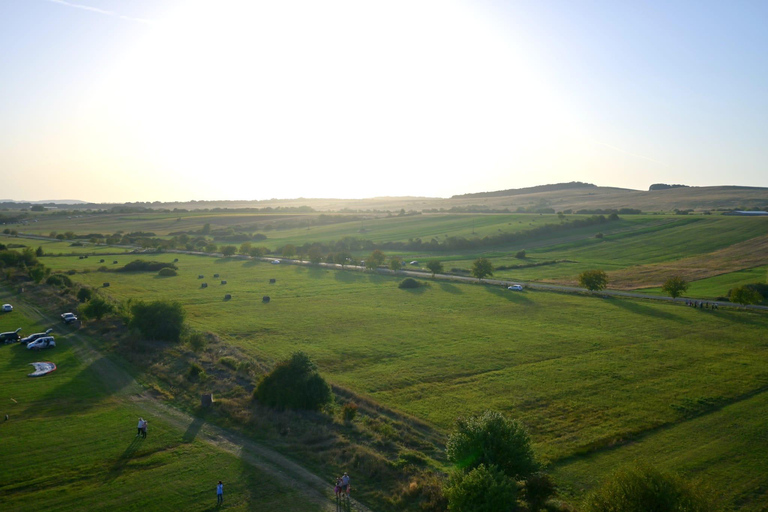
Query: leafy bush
[197, 341]
[167, 272]
[349, 411]
[196, 372]
[294, 384]
[484, 489]
[538, 488]
[642, 488]
[97, 307]
[229, 361]
[492, 439]
[84, 294]
[146, 266]
[60, 280]
[409, 282]
[159, 320]
[520, 254]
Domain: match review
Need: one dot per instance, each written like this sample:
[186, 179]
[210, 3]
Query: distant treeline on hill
[528, 190]
[664, 186]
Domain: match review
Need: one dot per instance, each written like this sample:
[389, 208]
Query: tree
[376, 258]
[159, 320]
[593, 280]
[675, 286]
[84, 294]
[483, 489]
[492, 439]
[97, 308]
[228, 250]
[520, 254]
[435, 267]
[395, 264]
[642, 488]
[294, 384]
[38, 272]
[289, 250]
[245, 248]
[744, 295]
[39, 252]
[211, 247]
[482, 267]
[315, 255]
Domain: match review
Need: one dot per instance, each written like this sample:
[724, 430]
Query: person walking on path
[220, 493]
[345, 484]
[139, 430]
[144, 430]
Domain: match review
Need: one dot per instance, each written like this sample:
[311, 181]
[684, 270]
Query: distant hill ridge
[528, 190]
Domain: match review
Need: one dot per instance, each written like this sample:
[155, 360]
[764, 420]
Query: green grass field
[589, 376]
[70, 445]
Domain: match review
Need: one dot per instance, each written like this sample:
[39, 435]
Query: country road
[122, 384]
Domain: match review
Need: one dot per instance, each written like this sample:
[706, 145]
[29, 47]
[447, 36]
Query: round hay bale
[265, 298]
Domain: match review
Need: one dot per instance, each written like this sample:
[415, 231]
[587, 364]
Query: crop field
[589, 376]
[69, 444]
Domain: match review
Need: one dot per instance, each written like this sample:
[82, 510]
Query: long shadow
[451, 288]
[641, 309]
[348, 276]
[512, 296]
[192, 430]
[117, 468]
[343, 505]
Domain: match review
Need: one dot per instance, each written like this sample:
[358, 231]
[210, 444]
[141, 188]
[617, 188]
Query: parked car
[68, 318]
[41, 343]
[33, 337]
[414, 262]
[275, 262]
[11, 336]
[515, 287]
[7, 308]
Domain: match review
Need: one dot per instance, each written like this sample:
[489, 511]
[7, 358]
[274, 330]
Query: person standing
[141, 424]
[220, 493]
[144, 430]
[345, 484]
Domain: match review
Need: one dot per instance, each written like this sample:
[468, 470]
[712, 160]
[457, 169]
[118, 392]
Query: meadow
[69, 442]
[589, 376]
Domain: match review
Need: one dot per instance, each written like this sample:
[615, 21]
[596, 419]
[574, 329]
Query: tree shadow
[641, 309]
[517, 297]
[451, 288]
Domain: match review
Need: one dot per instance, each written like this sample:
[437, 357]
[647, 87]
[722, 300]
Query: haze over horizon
[174, 100]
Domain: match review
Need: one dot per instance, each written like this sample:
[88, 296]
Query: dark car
[11, 336]
[33, 337]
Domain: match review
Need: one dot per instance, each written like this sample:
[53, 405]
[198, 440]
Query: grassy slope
[69, 445]
[583, 373]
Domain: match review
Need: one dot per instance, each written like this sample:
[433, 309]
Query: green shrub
[229, 361]
[520, 255]
[84, 294]
[167, 272]
[197, 341]
[294, 384]
[60, 280]
[493, 440]
[159, 320]
[409, 282]
[97, 307]
[538, 488]
[349, 411]
[484, 489]
[643, 488]
[196, 372]
[146, 266]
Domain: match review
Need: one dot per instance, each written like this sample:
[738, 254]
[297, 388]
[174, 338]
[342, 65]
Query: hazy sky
[143, 100]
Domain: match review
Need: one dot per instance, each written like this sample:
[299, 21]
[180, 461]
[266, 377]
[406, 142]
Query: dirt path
[121, 383]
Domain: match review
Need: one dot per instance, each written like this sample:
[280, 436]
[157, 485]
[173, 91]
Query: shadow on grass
[512, 296]
[349, 276]
[192, 430]
[343, 505]
[416, 291]
[641, 309]
[117, 468]
[313, 272]
[451, 288]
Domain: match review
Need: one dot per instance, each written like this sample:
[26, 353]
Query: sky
[176, 100]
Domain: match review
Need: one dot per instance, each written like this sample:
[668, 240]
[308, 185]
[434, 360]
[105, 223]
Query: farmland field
[583, 373]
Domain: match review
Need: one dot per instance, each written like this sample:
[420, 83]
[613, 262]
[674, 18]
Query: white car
[275, 262]
[414, 262]
[33, 337]
[68, 318]
[41, 343]
[7, 308]
[515, 287]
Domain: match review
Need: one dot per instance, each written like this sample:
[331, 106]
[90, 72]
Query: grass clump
[167, 272]
[409, 283]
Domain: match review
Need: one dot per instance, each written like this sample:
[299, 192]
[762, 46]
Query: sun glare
[326, 99]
